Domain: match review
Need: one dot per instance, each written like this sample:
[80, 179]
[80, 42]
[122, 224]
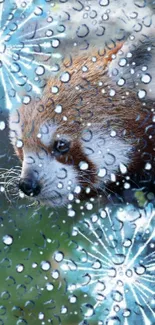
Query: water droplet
[141, 94]
[7, 240]
[55, 90]
[65, 77]
[127, 313]
[58, 109]
[146, 78]
[41, 315]
[127, 243]
[77, 189]
[103, 213]
[40, 70]
[112, 272]
[38, 11]
[83, 165]
[102, 172]
[126, 185]
[55, 43]
[148, 166]
[89, 206]
[45, 265]
[55, 274]
[140, 270]
[113, 321]
[71, 213]
[117, 295]
[84, 68]
[64, 310]
[123, 168]
[34, 265]
[2, 125]
[112, 92]
[122, 62]
[113, 133]
[20, 268]
[72, 299]
[104, 2]
[88, 310]
[19, 144]
[49, 286]
[82, 31]
[121, 82]
[26, 100]
[129, 273]
[58, 256]
[97, 265]
[118, 259]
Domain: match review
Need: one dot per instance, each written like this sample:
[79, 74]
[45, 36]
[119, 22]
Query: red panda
[92, 128]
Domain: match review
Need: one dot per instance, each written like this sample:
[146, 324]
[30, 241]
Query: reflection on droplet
[20, 268]
[58, 109]
[2, 125]
[102, 172]
[45, 265]
[64, 310]
[55, 274]
[58, 256]
[41, 315]
[65, 77]
[113, 321]
[55, 90]
[117, 295]
[140, 270]
[96, 265]
[87, 310]
[40, 70]
[7, 240]
[146, 79]
[19, 144]
[127, 313]
[49, 286]
[83, 165]
[72, 299]
[141, 94]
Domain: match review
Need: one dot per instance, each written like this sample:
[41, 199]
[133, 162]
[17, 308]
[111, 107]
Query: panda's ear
[134, 66]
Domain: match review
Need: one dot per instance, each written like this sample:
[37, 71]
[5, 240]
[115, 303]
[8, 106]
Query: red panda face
[80, 139]
[63, 162]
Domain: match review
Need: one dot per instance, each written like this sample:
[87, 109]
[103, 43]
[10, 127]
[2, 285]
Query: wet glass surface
[77, 162]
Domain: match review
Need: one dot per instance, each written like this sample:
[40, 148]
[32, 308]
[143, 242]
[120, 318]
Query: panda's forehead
[46, 133]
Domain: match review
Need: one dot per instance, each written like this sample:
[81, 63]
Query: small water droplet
[58, 256]
[7, 240]
[41, 315]
[65, 77]
[2, 125]
[45, 265]
[88, 310]
[83, 165]
[49, 286]
[102, 172]
[58, 109]
[20, 268]
[141, 94]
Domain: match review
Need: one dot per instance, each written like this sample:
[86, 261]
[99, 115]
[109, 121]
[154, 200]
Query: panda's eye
[61, 146]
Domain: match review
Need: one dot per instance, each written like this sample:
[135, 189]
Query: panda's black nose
[29, 186]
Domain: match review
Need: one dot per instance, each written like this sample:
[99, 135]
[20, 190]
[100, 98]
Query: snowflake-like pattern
[115, 264]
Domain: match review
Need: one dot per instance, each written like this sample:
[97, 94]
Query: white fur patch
[107, 153]
[57, 179]
[15, 129]
[138, 76]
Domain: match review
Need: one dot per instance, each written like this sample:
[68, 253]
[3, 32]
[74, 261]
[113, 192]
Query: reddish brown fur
[125, 113]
